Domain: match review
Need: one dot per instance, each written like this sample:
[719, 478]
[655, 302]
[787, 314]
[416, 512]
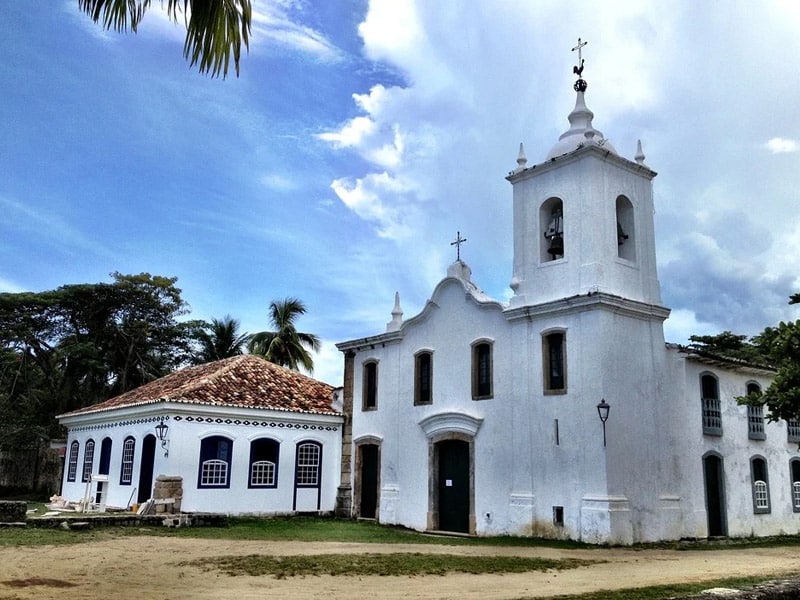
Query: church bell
[556, 245]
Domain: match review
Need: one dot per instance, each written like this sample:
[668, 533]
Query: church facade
[562, 412]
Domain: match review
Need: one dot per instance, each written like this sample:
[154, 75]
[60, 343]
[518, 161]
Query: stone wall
[37, 470]
[13, 511]
[168, 494]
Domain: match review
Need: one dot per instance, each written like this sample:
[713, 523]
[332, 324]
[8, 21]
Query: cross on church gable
[457, 243]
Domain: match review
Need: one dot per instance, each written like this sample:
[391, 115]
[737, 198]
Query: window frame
[710, 406]
[423, 378]
[264, 451]
[762, 503]
[794, 483]
[72, 463]
[210, 461]
[755, 415]
[548, 352]
[478, 369]
[88, 460]
[793, 431]
[126, 460]
[303, 468]
[369, 385]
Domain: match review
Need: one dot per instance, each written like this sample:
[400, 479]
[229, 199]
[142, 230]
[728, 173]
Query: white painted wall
[188, 424]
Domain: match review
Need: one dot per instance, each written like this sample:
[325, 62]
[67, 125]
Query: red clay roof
[245, 381]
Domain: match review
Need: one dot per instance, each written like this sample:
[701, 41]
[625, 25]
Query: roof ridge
[197, 383]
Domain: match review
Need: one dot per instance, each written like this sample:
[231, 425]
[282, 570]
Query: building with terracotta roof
[243, 434]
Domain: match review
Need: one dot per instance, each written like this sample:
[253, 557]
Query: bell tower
[583, 218]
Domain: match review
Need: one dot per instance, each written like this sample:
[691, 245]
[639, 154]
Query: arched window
[551, 224]
[264, 454]
[481, 370]
[215, 462]
[369, 398]
[88, 460]
[554, 362]
[308, 466]
[760, 479]
[794, 471]
[72, 466]
[551, 219]
[755, 415]
[126, 468]
[423, 378]
[712, 408]
[626, 230]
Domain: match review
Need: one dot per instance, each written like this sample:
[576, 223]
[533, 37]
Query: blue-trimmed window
[88, 460]
[264, 454]
[712, 407]
[215, 462]
[72, 465]
[794, 472]
[126, 468]
[760, 479]
[308, 464]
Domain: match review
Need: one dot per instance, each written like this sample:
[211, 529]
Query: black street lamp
[603, 408]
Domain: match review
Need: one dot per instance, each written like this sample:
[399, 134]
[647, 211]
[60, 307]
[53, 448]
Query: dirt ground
[148, 567]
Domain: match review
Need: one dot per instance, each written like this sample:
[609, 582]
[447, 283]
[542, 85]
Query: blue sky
[361, 135]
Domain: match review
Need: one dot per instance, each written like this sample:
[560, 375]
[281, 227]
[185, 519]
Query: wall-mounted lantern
[603, 408]
[162, 429]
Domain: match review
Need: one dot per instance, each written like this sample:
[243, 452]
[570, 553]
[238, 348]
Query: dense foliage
[219, 339]
[80, 344]
[776, 347]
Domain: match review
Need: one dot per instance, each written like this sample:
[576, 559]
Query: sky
[362, 135]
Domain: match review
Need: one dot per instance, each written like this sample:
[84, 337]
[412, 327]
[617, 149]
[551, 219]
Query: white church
[562, 412]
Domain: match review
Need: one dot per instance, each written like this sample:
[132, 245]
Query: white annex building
[562, 413]
[240, 435]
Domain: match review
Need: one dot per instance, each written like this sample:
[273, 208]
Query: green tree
[728, 345]
[80, 344]
[215, 29]
[780, 345]
[286, 346]
[219, 339]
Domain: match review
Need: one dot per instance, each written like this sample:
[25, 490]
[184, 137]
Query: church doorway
[368, 477]
[453, 485]
[714, 475]
[146, 469]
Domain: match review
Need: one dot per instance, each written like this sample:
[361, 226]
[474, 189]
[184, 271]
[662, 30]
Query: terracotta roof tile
[242, 381]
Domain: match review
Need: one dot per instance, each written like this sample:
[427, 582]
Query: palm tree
[220, 339]
[214, 28]
[286, 346]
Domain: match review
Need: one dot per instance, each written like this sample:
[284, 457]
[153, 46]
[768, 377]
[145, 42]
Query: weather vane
[580, 84]
[457, 243]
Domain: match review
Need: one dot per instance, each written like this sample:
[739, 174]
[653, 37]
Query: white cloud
[371, 197]
[779, 145]
[352, 134]
[276, 22]
[683, 323]
[277, 182]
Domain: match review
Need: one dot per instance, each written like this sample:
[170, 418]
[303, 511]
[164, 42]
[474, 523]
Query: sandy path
[147, 567]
